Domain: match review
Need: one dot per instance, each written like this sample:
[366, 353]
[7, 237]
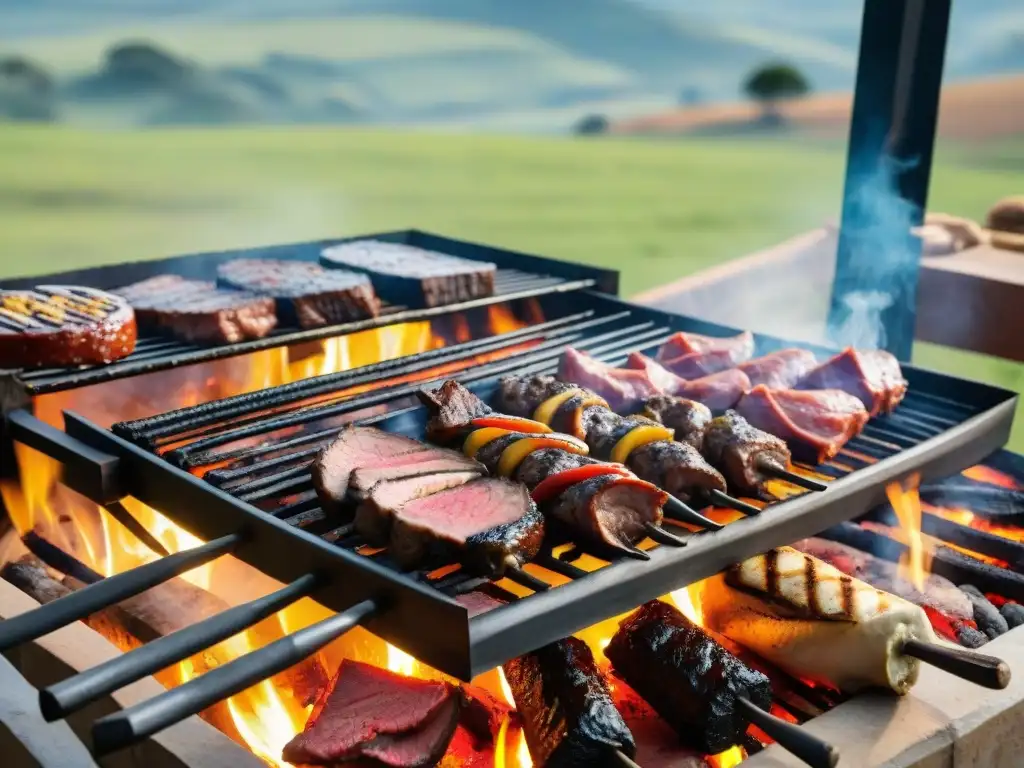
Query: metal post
[892, 136]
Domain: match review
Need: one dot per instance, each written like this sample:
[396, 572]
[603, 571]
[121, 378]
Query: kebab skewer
[819, 624]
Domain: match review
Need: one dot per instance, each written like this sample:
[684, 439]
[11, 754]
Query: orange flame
[733, 756]
[984, 474]
[915, 564]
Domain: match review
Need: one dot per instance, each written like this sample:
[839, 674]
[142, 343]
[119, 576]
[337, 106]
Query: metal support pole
[892, 136]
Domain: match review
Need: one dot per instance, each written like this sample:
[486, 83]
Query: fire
[401, 662]
[984, 474]
[687, 605]
[916, 562]
[523, 759]
[731, 757]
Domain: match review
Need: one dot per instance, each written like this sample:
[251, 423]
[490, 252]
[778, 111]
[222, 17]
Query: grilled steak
[376, 511]
[369, 712]
[412, 276]
[355, 447]
[623, 388]
[687, 418]
[815, 423]
[487, 524]
[306, 294]
[873, 377]
[740, 452]
[779, 370]
[52, 325]
[688, 677]
[568, 715]
[364, 478]
[196, 311]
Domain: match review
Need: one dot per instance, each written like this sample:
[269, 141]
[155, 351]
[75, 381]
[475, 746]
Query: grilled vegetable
[554, 485]
[514, 454]
[636, 437]
[514, 423]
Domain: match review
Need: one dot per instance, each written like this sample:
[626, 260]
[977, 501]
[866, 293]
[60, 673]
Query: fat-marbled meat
[568, 715]
[414, 277]
[872, 376]
[781, 369]
[686, 418]
[689, 679]
[742, 453]
[305, 293]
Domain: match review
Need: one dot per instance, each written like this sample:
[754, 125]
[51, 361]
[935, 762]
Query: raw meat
[873, 377]
[779, 370]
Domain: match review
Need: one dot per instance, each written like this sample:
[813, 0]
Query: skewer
[978, 668]
[677, 510]
[781, 473]
[723, 500]
[625, 760]
[660, 535]
[792, 738]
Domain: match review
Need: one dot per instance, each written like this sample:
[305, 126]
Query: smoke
[880, 271]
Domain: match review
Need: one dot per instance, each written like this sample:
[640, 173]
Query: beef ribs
[742, 453]
[687, 418]
[739, 348]
[413, 276]
[488, 525]
[372, 713]
[568, 715]
[779, 370]
[196, 311]
[376, 511]
[624, 389]
[686, 676]
[305, 293]
[873, 377]
[57, 325]
[815, 423]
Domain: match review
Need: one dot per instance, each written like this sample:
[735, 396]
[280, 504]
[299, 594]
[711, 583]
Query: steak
[413, 276]
[306, 294]
[196, 311]
[687, 418]
[369, 712]
[355, 447]
[568, 715]
[873, 377]
[488, 524]
[718, 391]
[56, 325]
[363, 479]
[375, 513]
[451, 407]
[779, 370]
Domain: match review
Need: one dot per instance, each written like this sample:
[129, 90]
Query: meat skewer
[708, 695]
[821, 625]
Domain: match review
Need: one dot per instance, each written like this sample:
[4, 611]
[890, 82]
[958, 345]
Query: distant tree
[144, 65]
[26, 91]
[591, 125]
[772, 83]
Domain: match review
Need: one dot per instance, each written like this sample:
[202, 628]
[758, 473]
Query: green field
[656, 210]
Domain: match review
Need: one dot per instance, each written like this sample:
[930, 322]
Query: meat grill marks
[746, 456]
[196, 311]
[306, 294]
[567, 713]
[53, 325]
[413, 276]
[873, 377]
[689, 679]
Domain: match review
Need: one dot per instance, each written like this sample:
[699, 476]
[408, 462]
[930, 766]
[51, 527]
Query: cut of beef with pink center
[623, 388]
[873, 377]
[364, 479]
[719, 391]
[740, 347]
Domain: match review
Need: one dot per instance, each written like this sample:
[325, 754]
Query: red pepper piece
[514, 423]
[553, 485]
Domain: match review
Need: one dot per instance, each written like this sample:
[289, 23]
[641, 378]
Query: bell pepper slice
[553, 485]
[641, 435]
[513, 456]
[480, 437]
[514, 423]
[545, 412]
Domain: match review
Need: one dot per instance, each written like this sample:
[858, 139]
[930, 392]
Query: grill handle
[122, 729]
[792, 738]
[95, 597]
[986, 671]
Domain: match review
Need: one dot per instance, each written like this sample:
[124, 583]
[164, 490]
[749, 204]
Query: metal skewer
[660, 535]
[978, 668]
[720, 499]
[677, 510]
[781, 473]
[792, 738]
[625, 759]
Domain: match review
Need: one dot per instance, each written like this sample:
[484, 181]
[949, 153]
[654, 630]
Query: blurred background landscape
[632, 134]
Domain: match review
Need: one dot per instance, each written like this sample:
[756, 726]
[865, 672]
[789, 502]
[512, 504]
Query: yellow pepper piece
[513, 456]
[546, 410]
[480, 437]
[642, 435]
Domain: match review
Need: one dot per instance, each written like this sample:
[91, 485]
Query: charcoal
[1013, 613]
[986, 616]
[969, 637]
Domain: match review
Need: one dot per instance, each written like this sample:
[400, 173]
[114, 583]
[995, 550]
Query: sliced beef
[663, 380]
[873, 377]
[199, 312]
[59, 325]
[568, 715]
[483, 714]
[678, 468]
[487, 524]
[687, 676]
[699, 364]
[433, 459]
[370, 712]
[624, 389]
[779, 370]
[740, 348]
[815, 423]
[413, 276]
[306, 294]
[476, 603]
[355, 447]
[742, 452]
[687, 418]
[376, 511]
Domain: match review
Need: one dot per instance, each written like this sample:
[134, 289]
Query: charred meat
[744, 454]
[686, 676]
[53, 325]
[568, 715]
[686, 418]
[873, 377]
[779, 370]
[411, 276]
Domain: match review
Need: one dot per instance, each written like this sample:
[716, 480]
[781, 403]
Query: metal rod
[67, 696]
[677, 510]
[720, 499]
[986, 671]
[660, 535]
[781, 473]
[138, 530]
[95, 597]
[792, 738]
[625, 760]
[122, 729]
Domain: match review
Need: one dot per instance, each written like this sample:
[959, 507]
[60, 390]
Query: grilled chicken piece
[568, 715]
[686, 676]
[779, 370]
[816, 623]
[873, 377]
[741, 453]
[687, 418]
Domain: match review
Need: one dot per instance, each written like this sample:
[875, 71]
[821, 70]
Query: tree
[26, 91]
[591, 125]
[772, 83]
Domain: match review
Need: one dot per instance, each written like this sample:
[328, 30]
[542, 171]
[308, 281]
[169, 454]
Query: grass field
[656, 210]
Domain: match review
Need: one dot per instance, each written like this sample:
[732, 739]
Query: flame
[984, 474]
[523, 759]
[688, 604]
[499, 747]
[401, 662]
[915, 564]
[731, 757]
